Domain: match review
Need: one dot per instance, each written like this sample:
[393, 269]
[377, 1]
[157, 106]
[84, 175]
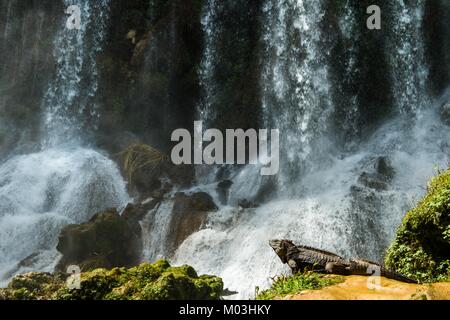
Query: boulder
[158, 281]
[134, 213]
[108, 240]
[445, 113]
[379, 175]
[223, 189]
[188, 215]
[247, 204]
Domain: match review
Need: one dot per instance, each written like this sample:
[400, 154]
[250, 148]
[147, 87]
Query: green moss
[421, 249]
[283, 286]
[158, 281]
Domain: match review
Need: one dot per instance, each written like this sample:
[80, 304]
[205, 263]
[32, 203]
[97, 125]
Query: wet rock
[380, 176]
[188, 215]
[445, 113]
[223, 189]
[134, 213]
[29, 261]
[247, 204]
[372, 182]
[158, 281]
[108, 240]
[384, 168]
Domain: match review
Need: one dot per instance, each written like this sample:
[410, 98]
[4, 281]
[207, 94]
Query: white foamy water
[326, 213]
[323, 200]
[41, 193]
[63, 183]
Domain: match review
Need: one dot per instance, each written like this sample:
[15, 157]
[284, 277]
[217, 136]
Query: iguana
[300, 258]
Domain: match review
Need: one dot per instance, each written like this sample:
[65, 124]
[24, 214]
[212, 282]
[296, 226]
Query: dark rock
[134, 213]
[225, 184]
[384, 168]
[108, 240]
[247, 204]
[188, 215]
[380, 175]
[372, 182]
[181, 176]
[223, 189]
[445, 113]
[29, 261]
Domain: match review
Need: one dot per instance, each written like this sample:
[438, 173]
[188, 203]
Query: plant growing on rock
[158, 281]
[138, 156]
[421, 248]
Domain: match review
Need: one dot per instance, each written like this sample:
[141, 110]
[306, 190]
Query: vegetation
[283, 286]
[139, 156]
[421, 249]
[158, 281]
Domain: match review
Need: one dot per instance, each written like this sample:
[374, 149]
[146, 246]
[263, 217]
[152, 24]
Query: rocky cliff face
[27, 30]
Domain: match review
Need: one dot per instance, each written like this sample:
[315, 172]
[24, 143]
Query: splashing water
[41, 193]
[407, 56]
[69, 102]
[64, 183]
[296, 91]
[211, 29]
[335, 212]
[331, 205]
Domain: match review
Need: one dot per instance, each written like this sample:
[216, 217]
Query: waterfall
[407, 56]
[8, 18]
[349, 202]
[155, 228]
[351, 164]
[65, 182]
[296, 89]
[211, 30]
[71, 95]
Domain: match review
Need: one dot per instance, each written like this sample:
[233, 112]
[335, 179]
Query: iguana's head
[281, 248]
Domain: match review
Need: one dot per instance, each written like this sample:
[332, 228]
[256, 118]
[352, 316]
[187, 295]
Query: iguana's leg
[293, 265]
[336, 268]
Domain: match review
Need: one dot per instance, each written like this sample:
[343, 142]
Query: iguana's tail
[396, 276]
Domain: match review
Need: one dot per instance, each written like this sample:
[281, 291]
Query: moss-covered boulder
[158, 281]
[421, 249]
[108, 240]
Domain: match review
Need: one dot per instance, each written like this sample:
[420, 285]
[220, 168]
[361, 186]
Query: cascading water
[407, 56]
[211, 29]
[155, 228]
[63, 183]
[347, 202]
[296, 90]
[344, 196]
[69, 101]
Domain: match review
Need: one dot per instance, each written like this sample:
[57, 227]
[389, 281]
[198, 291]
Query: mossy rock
[421, 249]
[158, 281]
[108, 240]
